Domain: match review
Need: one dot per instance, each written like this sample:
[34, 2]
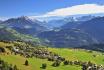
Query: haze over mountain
[70, 21]
[76, 21]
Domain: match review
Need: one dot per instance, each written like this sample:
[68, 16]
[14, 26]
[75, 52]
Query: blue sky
[12, 8]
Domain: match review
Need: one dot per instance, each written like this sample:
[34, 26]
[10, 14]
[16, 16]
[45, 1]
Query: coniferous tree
[44, 66]
[26, 63]
[15, 67]
[66, 62]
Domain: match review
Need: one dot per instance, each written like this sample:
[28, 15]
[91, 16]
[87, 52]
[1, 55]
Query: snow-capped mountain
[57, 23]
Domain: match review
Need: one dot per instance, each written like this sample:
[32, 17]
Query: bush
[15, 67]
[6, 66]
[62, 59]
[26, 63]
[90, 63]
[71, 62]
[44, 66]
[56, 64]
[50, 59]
[84, 67]
[2, 49]
[66, 62]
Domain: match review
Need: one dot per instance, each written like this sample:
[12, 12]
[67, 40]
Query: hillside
[36, 63]
[94, 27]
[25, 25]
[70, 21]
[76, 33]
[10, 34]
[1, 21]
[67, 38]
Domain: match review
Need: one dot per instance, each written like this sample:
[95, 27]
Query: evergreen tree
[15, 67]
[66, 62]
[56, 63]
[44, 66]
[26, 63]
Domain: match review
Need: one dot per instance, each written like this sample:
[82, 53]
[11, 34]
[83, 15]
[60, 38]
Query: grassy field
[34, 63]
[69, 54]
[79, 54]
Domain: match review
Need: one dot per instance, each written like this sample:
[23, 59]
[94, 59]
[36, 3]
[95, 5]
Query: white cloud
[75, 10]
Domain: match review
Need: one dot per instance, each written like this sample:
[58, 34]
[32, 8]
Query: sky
[48, 8]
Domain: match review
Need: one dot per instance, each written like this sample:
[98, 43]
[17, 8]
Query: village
[25, 50]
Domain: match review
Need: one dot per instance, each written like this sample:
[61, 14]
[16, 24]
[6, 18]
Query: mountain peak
[24, 17]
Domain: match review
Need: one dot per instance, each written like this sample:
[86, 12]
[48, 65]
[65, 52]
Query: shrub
[15, 67]
[6, 66]
[2, 49]
[50, 59]
[56, 64]
[26, 63]
[66, 62]
[44, 66]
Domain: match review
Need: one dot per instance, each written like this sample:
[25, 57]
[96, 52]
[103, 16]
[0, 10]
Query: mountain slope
[67, 38]
[55, 23]
[1, 21]
[70, 21]
[71, 25]
[12, 35]
[94, 27]
[24, 25]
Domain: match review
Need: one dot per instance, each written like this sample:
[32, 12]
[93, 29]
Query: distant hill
[95, 47]
[94, 27]
[70, 21]
[56, 23]
[70, 34]
[67, 38]
[71, 25]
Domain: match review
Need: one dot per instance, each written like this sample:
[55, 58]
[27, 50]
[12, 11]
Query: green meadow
[69, 54]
